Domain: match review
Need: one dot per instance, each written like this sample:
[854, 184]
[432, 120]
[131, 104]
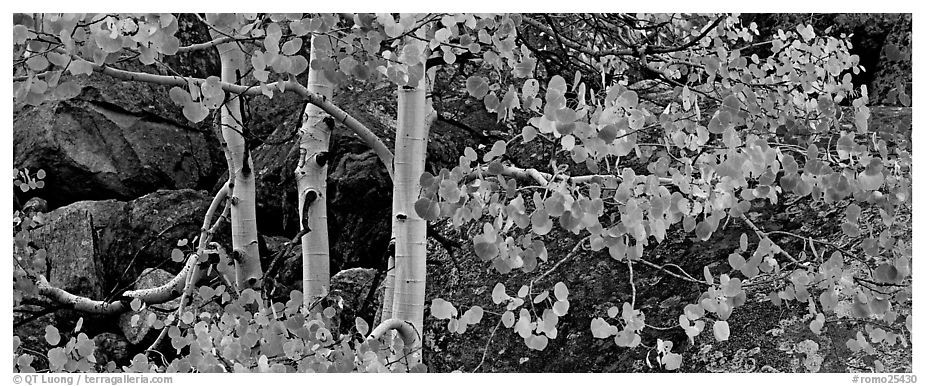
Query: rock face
[95, 247]
[359, 190]
[353, 286]
[93, 149]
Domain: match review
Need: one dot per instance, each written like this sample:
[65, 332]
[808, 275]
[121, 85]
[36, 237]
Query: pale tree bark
[243, 211]
[410, 228]
[311, 185]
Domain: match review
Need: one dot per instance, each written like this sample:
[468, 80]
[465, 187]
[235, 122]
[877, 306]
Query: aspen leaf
[721, 330]
[21, 33]
[195, 111]
[473, 315]
[528, 133]
[870, 180]
[560, 291]
[537, 342]
[477, 86]
[37, 63]
[557, 84]
[703, 231]
[498, 293]
[601, 329]
[362, 327]
[608, 133]
[508, 319]
[187, 317]
[135, 304]
[442, 309]
[530, 88]
[736, 261]
[57, 358]
[886, 273]
[292, 46]
[541, 222]
[427, 209]
[816, 325]
[541, 297]
[694, 311]
[671, 361]
[613, 311]
[52, 336]
[484, 250]
[561, 307]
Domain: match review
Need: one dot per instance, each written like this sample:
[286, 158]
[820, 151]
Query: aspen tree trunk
[243, 213]
[311, 185]
[410, 228]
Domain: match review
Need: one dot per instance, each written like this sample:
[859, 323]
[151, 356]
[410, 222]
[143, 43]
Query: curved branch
[157, 295]
[405, 329]
[164, 293]
[544, 178]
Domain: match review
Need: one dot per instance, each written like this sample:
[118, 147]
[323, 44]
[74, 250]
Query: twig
[555, 266]
[633, 287]
[662, 268]
[764, 236]
[486, 349]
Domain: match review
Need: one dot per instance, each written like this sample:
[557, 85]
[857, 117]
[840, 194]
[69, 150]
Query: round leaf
[721, 330]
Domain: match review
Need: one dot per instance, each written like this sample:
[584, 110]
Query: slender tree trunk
[410, 228]
[243, 212]
[311, 184]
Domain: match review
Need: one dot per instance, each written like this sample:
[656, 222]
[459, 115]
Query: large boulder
[120, 139]
[98, 248]
[94, 149]
[95, 248]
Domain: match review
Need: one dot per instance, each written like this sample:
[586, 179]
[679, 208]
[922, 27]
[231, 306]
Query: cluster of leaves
[535, 325]
[26, 181]
[245, 335]
[26, 256]
[76, 355]
[737, 128]
[51, 45]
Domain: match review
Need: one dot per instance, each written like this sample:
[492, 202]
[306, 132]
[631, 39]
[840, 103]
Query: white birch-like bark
[410, 228]
[243, 211]
[311, 182]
